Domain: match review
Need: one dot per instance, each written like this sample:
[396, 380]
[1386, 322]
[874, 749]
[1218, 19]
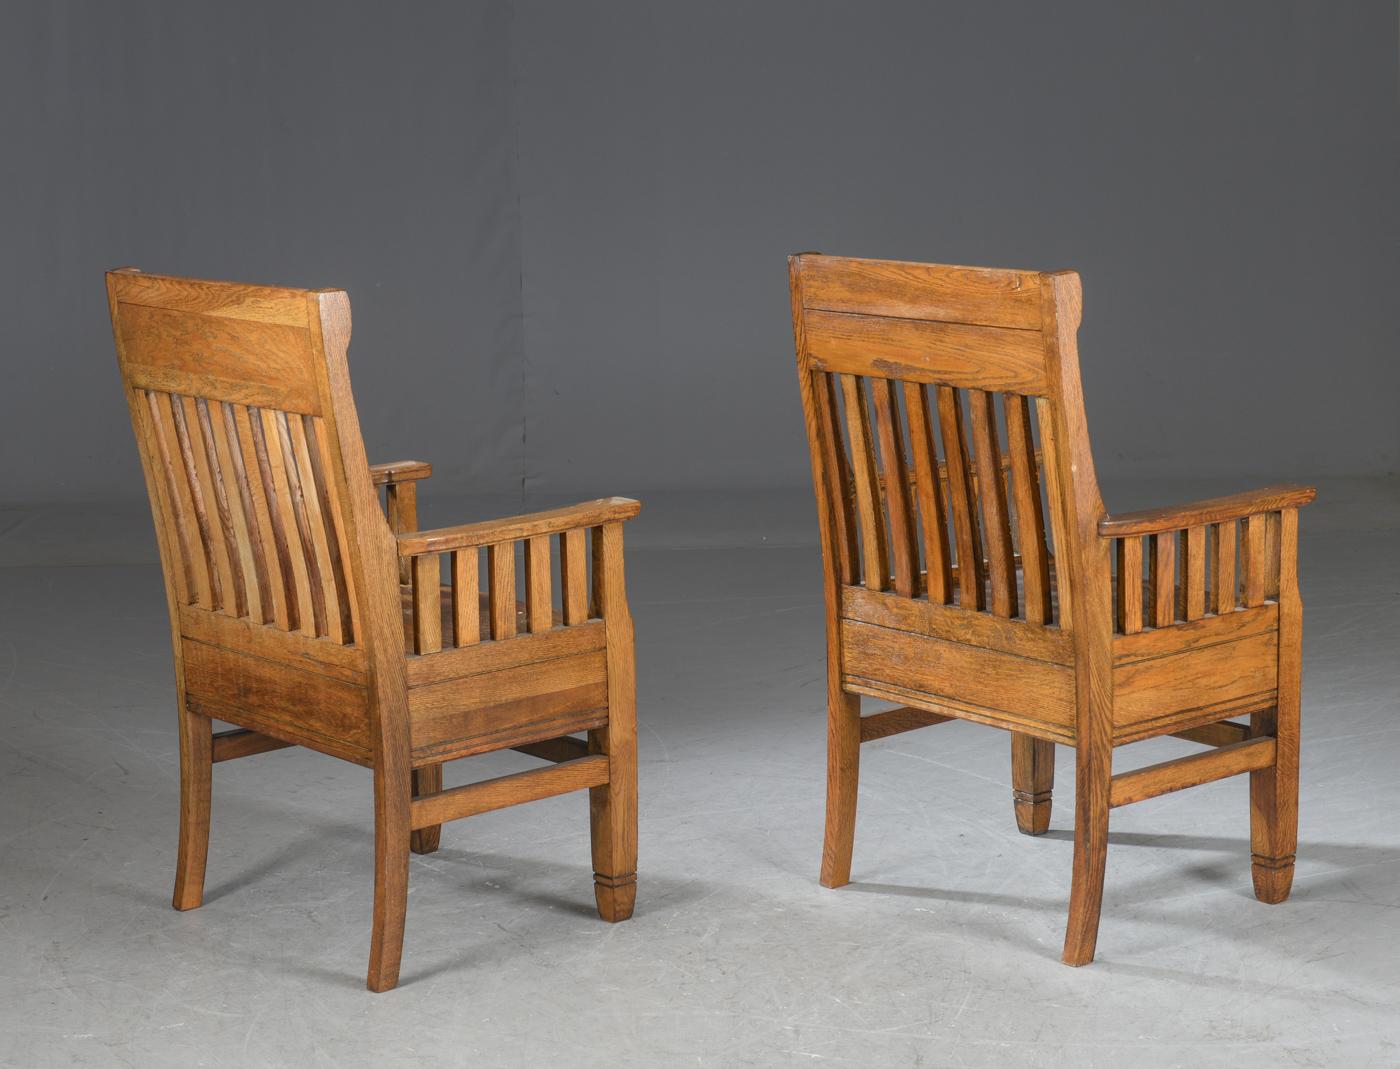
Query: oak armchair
[303, 617]
[947, 591]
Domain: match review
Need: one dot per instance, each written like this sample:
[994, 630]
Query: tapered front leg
[613, 806]
[1093, 771]
[196, 781]
[391, 844]
[1273, 792]
[426, 780]
[1273, 813]
[842, 782]
[1032, 782]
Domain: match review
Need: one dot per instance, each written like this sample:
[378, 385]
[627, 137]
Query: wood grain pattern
[894, 469]
[1030, 516]
[1211, 510]
[1192, 771]
[933, 521]
[962, 501]
[1001, 565]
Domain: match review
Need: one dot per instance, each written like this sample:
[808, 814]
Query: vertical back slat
[1001, 558]
[1193, 573]
[903, 550]
[1129, 585]
[213, 470]
[500, 561]
[427, 604]
[962, 500]
[539, 594]
[938, 583]
[232, 448]
[315, 577]
[1272, 556]
[185, 445]
[332, 511]
[321, 521]
[285, 594]
[1059, 519]
[282, 507]
[1030, 516]
[874, 562]
[233, 546]
[466, 597]
[1162, 573]
[1256, 566]
[838, 476]
[1224, 591]
[573, 576]
[161, 433]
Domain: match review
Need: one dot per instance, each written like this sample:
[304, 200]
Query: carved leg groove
[1273, 815]
[1032, 782]
[842, 782]
[427, 780]
[196, 781]
[613, 817]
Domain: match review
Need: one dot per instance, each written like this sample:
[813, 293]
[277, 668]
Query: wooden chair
[947, 592]
[299, 615]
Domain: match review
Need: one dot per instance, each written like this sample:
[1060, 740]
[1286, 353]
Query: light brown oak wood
[1035, 610]
[291, 589]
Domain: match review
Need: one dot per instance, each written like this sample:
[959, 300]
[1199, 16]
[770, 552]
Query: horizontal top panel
[948, 354]
[264, 304]
[251, 362]
[942, 292]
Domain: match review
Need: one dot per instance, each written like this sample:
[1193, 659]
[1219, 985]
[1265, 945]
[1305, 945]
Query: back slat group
[254, 518]
[912, 510]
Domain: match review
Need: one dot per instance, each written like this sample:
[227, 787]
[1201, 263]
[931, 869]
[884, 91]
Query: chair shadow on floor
[1228, 876]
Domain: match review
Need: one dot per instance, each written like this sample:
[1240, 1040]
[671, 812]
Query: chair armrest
[1211, 510]
[514, 528]
[399, 471]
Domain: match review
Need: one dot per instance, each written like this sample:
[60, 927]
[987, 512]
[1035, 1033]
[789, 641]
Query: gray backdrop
[563, 226]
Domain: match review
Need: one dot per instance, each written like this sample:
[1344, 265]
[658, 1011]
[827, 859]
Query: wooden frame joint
[893, 721]
[244, 742]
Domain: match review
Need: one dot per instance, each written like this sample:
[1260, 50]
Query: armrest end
[399, 471]
[1210, 510]
[514, 528]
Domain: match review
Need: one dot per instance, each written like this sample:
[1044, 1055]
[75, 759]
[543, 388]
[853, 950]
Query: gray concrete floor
[944, 952]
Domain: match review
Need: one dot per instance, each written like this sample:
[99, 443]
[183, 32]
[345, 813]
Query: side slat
[1162, 573]
[500, 560]
[1030, 515]
[1193, 573]
[1224, 592]
[539, 593]
[928, 486]
[333, 511]
[466, 598]
[962, 500]
[573, 576]
[837, 468]
[427, 604]
[1130, 585]
[875, 566]
[1001, 558]
[1256, 566]
[903, 550]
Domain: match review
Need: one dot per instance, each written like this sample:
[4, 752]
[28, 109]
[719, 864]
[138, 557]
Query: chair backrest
[945, 420]
[240, 400]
